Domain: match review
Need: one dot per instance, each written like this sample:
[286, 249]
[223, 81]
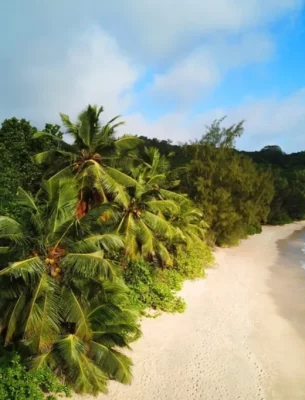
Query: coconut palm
[62, 302]
[188, 222]
[157, 220]
[92, 158]
[141, 219]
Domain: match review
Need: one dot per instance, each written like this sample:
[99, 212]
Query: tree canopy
[94, 232]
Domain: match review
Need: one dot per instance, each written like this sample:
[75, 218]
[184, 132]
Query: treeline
[238, 191]
[99, 229]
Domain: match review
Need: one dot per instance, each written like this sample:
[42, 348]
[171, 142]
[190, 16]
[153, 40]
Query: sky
[169, 67]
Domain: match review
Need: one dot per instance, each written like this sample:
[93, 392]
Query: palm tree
[141, 220]
[62, 301]
[157, 219]
[93, 158]
[187, 221]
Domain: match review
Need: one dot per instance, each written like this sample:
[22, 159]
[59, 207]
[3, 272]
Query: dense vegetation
[96, 232]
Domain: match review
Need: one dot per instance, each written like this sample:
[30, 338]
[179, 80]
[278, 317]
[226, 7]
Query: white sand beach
[232, 342]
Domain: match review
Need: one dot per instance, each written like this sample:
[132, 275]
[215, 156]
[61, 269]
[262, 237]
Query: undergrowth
[156, 288]
[17, 383]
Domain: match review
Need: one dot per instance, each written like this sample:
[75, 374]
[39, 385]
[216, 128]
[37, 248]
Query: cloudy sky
[169, 67]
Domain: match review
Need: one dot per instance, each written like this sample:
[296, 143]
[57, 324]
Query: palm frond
[120, 177]
[168, 194]
[74, 311]
[146, 237]
[10, 229]
[40, 134]
[31, 267]
[90, 265]
[108, 241]
[158, 224]
[26, 199]
[164, 254]
[127, 142]
[116, 364]
[49, 156]
[71, 128]
[43, 323]
[162, 206]
[14, 318]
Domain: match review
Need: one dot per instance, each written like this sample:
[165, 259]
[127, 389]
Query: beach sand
[241, 337]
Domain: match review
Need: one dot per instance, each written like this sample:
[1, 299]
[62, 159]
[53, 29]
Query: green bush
[16, 383]
[156, 288]
[151, 287]
[191, 263]
[252, 230]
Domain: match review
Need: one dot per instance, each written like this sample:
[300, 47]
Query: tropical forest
[100, 228]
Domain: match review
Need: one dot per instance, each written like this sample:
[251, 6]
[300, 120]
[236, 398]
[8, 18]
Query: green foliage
[105, 208]
[17, 169]
[288, 172]
[192, 262]
[153, 288]
[232, 192]
[62, 300]
[17, 383]
[157, 288]
[221, 137]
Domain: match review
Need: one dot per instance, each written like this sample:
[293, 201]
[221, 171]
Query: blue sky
[168, 67]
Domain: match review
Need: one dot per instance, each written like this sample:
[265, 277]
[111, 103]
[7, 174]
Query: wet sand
[241, 337]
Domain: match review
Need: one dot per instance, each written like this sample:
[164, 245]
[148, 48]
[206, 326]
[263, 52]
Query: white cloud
[58, 64]
[267, 121]
[171, 126]
[151, 31]
[172, 27]
[188, 78]
[204, 68]
[94, 71]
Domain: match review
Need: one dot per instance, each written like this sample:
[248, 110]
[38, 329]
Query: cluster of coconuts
[55, 271]
[137, 212]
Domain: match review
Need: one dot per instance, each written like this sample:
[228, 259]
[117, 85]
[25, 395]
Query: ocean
[287, 280]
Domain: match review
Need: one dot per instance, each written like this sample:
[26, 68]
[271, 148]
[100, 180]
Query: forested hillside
[95, 233]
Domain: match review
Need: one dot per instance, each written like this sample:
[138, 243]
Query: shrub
[16, 383]
[252, 230]
[191, 263]
[150, 287]
[156, 288]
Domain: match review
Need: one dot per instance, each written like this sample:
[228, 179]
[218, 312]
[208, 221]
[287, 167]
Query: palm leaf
[26, 199]
[168, 194]
[120, 177]
[164, 254]
[71, 128]
[31, 267]
[162, 206]
[146, 237]
[74, 311]
[90, 265]
[127, 142]
[114, 363]
[10, 229]
[43, 329]
[109, 242]
[40, 134]
[40, 361]
[158, 224]
[50, 156]
[12, 323]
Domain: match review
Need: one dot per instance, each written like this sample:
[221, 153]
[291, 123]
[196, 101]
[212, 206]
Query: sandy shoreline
[234, 341]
